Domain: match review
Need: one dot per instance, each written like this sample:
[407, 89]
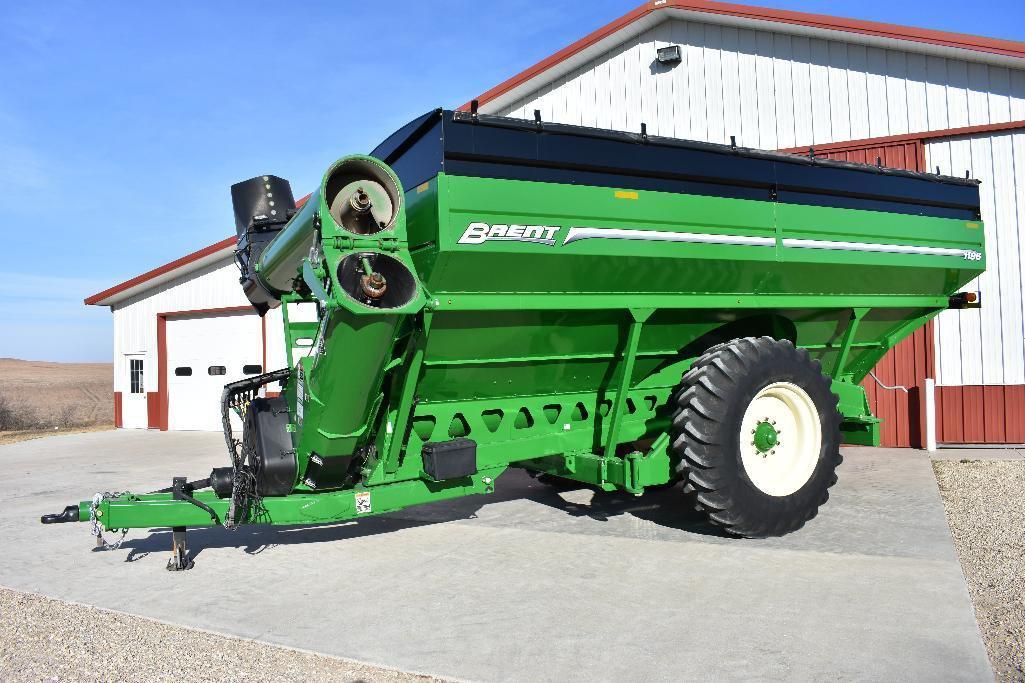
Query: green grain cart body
[547, 288]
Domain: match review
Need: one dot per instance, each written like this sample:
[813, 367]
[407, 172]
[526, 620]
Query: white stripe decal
[576, 234]
[866, 246]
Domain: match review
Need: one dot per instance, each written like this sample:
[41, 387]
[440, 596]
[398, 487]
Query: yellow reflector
[422, 187]
[622, 194]
[972, 226]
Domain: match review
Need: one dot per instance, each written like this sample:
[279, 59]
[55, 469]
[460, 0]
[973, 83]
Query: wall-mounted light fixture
[669, 55]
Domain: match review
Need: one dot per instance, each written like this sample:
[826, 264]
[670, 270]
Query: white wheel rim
[789, 464]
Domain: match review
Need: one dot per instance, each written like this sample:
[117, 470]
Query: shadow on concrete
[668, 507]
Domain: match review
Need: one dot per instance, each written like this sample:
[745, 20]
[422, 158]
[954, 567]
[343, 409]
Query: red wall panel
[977, 414]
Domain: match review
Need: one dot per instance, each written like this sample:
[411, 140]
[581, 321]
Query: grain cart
[616, 309]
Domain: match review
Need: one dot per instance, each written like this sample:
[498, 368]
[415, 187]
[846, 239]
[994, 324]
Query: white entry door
[204, 353]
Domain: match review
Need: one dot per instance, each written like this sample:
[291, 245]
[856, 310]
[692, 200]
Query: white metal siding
[774, 90]
[135, 326]
[987, 345]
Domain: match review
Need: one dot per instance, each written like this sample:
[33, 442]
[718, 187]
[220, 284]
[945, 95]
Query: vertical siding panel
[948, 328]
[731, 92]
[781, 74]
[1015, 370]
[571, 99]
[878, 118]
[617, 89]
[957, 93]
[989, 319]
[633, 103]
[978, 97]
[800, 75]
[839, 104]
[695, 62]
[896, 92]
[1014, 411]
[603, 92]
[999, 92]
[884, 399]
[918, 118]
[974, 429]
[713, 79]
[1007, 250]
[968, 321]
[941, 423]
[822, 126]
[681, 87]
[857, 91]
[993, 424]
[1017, 89]
[767, 138]
[903, 358]
[936, 93]
[663, 79]
[748, 102]
[953, 421]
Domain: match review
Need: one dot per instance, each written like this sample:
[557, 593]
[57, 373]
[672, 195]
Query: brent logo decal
[478, 233]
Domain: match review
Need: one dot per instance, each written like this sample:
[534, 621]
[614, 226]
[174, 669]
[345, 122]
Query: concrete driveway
[527, 583]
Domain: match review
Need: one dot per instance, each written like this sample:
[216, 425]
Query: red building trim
[173, 265]
[152, 410]
[963, 41]
[162, 398]
[162, 270]
[119, 421]
[847, 145]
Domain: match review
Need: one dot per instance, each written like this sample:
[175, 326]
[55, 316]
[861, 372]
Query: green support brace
[638, 315]
[848, 339]
[405, 408]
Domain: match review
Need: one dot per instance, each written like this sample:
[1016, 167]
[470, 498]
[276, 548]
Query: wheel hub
[766, 436]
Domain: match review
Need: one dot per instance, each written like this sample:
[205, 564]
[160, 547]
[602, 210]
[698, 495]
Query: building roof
[654, 12]
[169, 271]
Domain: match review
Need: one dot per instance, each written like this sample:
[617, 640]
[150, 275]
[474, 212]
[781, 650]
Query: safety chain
[96, 529]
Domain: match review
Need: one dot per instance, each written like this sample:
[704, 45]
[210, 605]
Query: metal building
[181, 331]
[865, 91]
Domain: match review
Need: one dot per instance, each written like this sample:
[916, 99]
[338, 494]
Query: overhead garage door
[205, 352]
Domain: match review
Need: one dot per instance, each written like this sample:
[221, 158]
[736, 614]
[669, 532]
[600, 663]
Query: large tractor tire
[757, 435]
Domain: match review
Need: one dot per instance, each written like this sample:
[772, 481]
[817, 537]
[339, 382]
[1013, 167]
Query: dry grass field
[37, 397]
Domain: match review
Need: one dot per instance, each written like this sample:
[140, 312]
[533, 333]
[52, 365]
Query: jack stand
[179, 553]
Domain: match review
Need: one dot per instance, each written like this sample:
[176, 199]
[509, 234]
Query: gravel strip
[42, 639]
[985, 504]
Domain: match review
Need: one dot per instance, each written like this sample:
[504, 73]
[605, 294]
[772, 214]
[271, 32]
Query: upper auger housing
[347, 243]
[262, 206]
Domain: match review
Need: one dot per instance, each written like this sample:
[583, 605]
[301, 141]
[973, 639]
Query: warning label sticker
[362, 502]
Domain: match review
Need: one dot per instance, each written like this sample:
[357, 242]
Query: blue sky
[122, 125]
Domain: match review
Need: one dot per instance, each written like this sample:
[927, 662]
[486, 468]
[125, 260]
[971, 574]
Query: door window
[135, 378]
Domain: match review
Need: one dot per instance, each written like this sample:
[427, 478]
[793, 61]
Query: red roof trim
[162, 270]
[173, 265]
[1007, 48]
[910, 137]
